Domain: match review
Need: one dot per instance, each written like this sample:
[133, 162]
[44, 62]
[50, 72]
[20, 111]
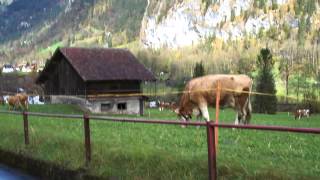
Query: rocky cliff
[186, 22]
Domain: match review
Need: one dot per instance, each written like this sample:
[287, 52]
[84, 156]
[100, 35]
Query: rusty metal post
[216, 134]
[212, 161]
[87, 138]
[25, 127]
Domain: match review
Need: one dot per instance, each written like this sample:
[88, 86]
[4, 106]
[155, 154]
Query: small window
[122, 106]
[105, 107]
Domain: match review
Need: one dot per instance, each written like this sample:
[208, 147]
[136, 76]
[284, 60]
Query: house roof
[100, 64]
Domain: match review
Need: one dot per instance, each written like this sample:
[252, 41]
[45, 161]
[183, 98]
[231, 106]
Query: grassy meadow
[148, 151]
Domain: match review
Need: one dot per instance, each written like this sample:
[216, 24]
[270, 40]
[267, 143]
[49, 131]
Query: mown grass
[147, 151]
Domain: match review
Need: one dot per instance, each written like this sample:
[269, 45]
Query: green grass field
[148, 151]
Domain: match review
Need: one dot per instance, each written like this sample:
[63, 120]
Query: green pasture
[149, 151]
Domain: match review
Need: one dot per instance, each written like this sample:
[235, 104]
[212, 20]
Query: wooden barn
[99, 79]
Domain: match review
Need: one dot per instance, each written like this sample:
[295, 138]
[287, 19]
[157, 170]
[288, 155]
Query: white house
[7, 68]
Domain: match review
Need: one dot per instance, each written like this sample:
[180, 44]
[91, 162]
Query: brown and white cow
[200, 92]
[299, 113]
[13, 102]
[19, 100]
[23, 98]
[166, 105]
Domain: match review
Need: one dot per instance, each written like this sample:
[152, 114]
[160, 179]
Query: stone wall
[121, 105]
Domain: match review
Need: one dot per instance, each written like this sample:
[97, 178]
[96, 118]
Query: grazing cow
[166, 105]
[13, 102]
[201, 92]
[19, 100]
[163, 105]
[299, 113]
[23, 98]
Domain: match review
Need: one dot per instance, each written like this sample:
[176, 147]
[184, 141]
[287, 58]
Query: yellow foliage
[178, 55]
[217, 44]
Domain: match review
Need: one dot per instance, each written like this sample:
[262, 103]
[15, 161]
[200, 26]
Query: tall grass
[147, 151]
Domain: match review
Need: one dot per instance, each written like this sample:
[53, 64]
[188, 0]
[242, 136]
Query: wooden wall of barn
[100, 87]
[64, 80]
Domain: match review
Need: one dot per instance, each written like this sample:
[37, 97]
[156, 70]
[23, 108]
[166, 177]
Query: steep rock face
[188, 22]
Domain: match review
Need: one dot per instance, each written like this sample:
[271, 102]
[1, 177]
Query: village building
[97, 79]
[7, 68]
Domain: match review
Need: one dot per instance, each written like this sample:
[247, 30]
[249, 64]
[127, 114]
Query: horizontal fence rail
[211, 126]
[172, 122]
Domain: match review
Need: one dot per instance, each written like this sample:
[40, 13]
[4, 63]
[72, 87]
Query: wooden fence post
[87, 138]
[212, 166]
[25, 127]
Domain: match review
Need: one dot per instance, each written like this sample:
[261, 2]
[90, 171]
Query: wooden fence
[211, 129]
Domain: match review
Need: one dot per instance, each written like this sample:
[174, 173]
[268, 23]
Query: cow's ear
[177, 111]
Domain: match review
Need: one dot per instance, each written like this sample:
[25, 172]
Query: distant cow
[163, 105]
[166, 105]
[299, 113]
[200, 92]
[13, 102]
[19, 100]
[23, 98]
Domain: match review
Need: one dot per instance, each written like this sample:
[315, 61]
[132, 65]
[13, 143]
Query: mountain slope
[31, 30]
[21, 16]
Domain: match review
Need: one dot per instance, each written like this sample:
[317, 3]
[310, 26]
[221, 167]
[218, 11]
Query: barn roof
[100, 64]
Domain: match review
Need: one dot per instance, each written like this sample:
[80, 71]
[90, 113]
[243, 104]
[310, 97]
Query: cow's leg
[236, 122]
[27, 104]
[198, 115]
[248, 110]
[204, 111]
[239, 115]
[183, 120]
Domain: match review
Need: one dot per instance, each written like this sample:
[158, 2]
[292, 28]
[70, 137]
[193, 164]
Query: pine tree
[198, 70]
[265, 84]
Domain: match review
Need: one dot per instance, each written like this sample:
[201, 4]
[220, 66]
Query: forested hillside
[170, 36]
[33, 29]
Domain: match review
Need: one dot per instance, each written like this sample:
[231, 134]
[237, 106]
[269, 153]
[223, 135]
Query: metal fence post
[25, 127]
[212, 165]
[87, 138]
[216, 132]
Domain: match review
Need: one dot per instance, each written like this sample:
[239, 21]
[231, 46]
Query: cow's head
[183, 114]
